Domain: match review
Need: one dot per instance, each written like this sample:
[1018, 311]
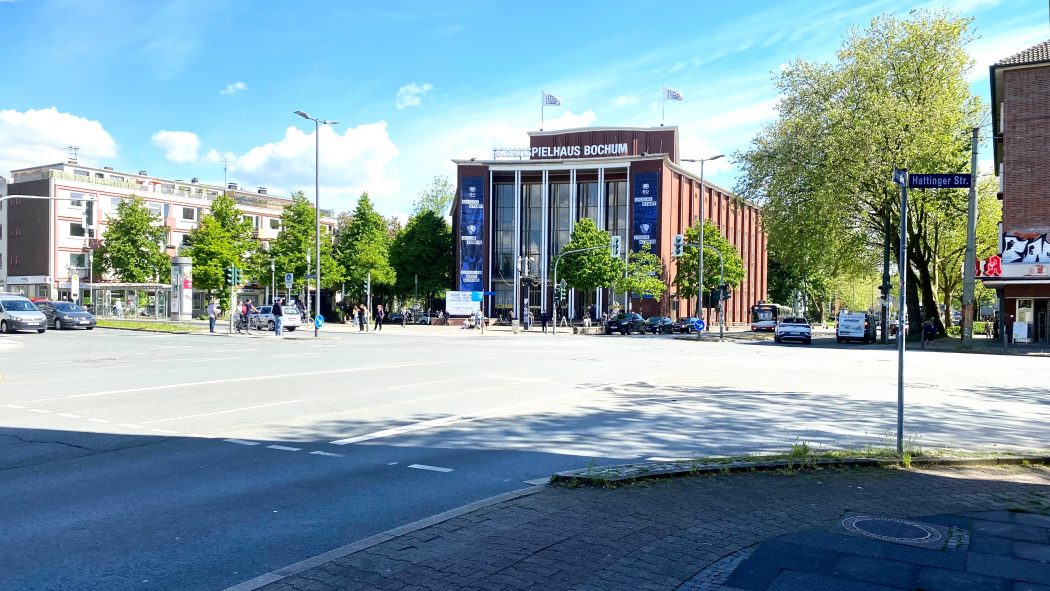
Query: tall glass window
[587, 201]
[503, 265]
[616, 211]
[559, 216]
[532, 224]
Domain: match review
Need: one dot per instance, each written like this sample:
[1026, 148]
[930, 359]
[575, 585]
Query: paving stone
[991, 545]
[795, 581]
[875, 570]
[1029, 551]
[1024, 533]
[1008, 568]
[1022, 586]
[939, 579]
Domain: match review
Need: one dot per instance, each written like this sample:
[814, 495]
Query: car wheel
[809, 341]
[838, 339]
[4, 327]
[776, 339]
[270, 326]
[89, 328]
[290, 328]
[608, 332]
[41, 330]
[58, 324]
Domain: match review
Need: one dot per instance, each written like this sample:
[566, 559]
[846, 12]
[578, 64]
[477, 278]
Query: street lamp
[317, 206]
[700, 278]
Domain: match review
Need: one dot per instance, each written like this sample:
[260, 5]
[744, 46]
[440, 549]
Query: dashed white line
[99, 421]
[284, 448]
[130, 425]
[241, 442]
[14, 406]
[106, 367]
[325, 453]
[219, 412]
[164, 431]
[431, 468]
[470, 377]
[198, 435]
[40, 410]
[68, 415]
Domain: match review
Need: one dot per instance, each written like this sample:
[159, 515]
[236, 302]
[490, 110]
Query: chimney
[262, 190]
[194, 180]
[142, 173]
[232, 186]
[107, 168]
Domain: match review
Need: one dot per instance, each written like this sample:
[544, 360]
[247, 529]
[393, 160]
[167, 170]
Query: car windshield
[66, 307]
[265, 309]
[621, 317]
[795, 321]
[18, 305]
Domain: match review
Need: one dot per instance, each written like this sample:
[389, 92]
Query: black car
[659, 324]
[394, 318]
[625, 323]
[66, 315]
[685, 324]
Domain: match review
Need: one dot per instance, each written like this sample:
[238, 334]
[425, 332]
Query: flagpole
[543, 101]
[663, 106]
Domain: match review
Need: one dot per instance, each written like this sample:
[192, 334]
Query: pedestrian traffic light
[724, 290]
[614, 246]
[228, 275]
[557, 293]
[679, 245]
[237, 276]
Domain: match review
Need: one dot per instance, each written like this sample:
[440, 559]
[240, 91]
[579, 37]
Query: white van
[18, 313]
[855, 326]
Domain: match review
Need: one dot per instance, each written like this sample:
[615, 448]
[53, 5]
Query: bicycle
[253, 323]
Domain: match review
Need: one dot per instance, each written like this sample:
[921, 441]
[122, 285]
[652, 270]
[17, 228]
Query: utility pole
[885, 300]
[971, 248]
[901, 176]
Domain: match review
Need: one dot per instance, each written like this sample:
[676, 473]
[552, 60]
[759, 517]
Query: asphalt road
[143, 461]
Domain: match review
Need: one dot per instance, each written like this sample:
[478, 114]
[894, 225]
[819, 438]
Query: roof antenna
[74, 150]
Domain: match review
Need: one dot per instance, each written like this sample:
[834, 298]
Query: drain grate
[902, 531]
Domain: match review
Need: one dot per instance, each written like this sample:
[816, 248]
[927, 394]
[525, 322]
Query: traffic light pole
[557, 259]
[700, 287]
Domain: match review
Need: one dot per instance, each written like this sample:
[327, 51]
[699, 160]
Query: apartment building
[46, 242]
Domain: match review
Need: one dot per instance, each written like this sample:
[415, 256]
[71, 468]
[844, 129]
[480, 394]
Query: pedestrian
[404, 313]
[929, 331]
[360, 317]
[118, 309]
[278, 317]
[544, 319]
[211, 315]
[527, 319]
[380, 315]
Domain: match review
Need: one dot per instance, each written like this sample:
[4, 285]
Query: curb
[624, 473]
[298, 567]
[147, 330]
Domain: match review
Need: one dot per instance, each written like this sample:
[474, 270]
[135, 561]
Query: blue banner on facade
[471, 226]
[646, 211]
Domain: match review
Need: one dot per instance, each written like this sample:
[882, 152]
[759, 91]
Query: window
[16, 260]
[1, 231]
[532, 224]
[42, 291]
[616, 210]
[189, 214]
[77, 259]
[116, 201]
[275, 223]
[17, 231]
[587, 201]
[559, 216]
[81, 172]
[158, 209]
[100, 175]
[117, 178]
[254, 221]
[76, 198]
[76, 230]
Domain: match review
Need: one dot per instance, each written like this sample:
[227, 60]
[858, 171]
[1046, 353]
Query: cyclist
[246, 312]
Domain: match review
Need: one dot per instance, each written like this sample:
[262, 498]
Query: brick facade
[1026, 149]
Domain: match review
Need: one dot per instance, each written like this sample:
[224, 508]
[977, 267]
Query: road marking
[99, 421]
[241, 442]
[198, 435]
[431, 468]
[164, 431]
[14, 406]
[130, 426]
[216, 359]
[40, 410]
[284, 448]
[106, 367]
[431, 382]
[236, 380]
[325, 453]
[219, 412]
[68, 415]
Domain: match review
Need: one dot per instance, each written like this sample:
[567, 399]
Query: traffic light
[724, 290]
[237, 276]
[228, 275]
[614, 246]
[679, 245]
[557, 293]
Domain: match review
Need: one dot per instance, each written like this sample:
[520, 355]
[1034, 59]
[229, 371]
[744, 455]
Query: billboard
[645, 210]
[462, 303]
[471, 226]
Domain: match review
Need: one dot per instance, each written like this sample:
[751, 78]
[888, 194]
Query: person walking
[544, 318]
[380, 315]
[404, 313]
[929, 332]
[278, 316]
[211, 315]
[527, 319]
[360, 317]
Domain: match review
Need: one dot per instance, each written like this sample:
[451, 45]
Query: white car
[291, 320]
[793, 328]
[18, 313]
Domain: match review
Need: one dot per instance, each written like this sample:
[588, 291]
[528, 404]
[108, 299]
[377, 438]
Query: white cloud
[40, 136]
[568, 120]
[988, 50]
[234, 88]
[411, 95]
[625, 101]
[352, 162]
[178, 146]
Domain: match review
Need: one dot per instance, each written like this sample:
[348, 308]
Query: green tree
[222, 239]
[436, 197]
[133, 245]
[685, 281]
[364, 247]
[422, 252]
[593, 268]
[297, 238]
[644, 274]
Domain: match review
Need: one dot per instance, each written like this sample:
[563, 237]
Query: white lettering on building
[590, 150]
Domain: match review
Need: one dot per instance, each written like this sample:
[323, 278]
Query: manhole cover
[896, 531]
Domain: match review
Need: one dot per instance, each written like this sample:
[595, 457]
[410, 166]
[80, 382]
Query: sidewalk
[870, 529]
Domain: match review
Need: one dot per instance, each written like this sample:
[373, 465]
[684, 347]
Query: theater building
[1021, 128]
[523, 204]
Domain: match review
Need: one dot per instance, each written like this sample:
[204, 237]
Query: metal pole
[902, 270]
[721, 296]
[971, 249]
[317, 218]
[700, 256]
[554, 329]
[368, 291]
[886, 281]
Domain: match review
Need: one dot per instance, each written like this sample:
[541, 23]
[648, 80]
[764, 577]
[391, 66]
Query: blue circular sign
[699, 325]
[319, 321]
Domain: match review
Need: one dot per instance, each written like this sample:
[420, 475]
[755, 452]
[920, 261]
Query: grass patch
[153, 325]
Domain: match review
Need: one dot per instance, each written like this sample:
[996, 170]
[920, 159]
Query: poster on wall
[462, 303]
[471, 226]
[645, 211]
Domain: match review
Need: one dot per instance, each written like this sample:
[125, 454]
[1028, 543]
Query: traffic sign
[288, 277]
[698, 325]
[310, 276]
[319, 321]
[489, 293]
[939, 181]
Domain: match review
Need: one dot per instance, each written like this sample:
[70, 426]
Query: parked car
[685, 324]
[856, 326]
[393, 318]
[659, 324]
[292, 320]
[793, 328]
[66, 315]
[625, 323]
[18, 313]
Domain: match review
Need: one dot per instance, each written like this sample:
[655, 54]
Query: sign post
[900, 176]
[971, 248]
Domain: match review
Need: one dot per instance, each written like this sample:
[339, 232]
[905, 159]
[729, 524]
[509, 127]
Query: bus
[766, 316]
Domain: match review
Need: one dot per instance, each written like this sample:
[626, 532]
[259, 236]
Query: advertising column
[181, 289]
[471, 224]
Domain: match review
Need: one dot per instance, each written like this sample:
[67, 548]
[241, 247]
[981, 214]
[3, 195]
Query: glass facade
[560, 220]
[616, 204]
[503, 235]
[587, 201]
[532, 224]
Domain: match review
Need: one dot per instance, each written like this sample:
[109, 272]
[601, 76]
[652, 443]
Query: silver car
[18, 313]
[291, 320]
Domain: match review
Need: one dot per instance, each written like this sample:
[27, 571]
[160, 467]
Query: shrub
[954, 331]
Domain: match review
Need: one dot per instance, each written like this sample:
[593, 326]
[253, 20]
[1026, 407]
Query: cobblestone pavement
[688, 533]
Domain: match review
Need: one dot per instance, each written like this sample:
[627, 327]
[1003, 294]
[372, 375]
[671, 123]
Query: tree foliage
[222, 239]
[591, 269]
[897, 96]
[423, 251]
[297, 238]
[364, 247]
[436, 197]
[133, 246]
[685, 281]
[644, 272]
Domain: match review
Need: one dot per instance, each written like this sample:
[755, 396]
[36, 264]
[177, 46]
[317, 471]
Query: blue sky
[173, 87]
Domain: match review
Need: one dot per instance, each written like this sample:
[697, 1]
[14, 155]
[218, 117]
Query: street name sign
[939, 181]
